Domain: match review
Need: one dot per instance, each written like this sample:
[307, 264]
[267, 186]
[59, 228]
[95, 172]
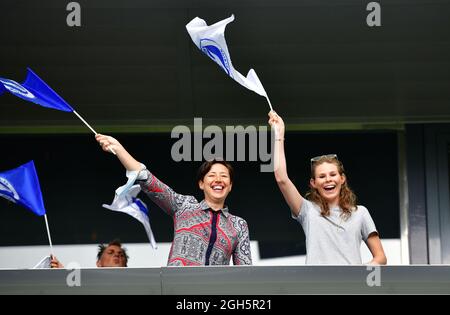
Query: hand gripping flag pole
[35, 90]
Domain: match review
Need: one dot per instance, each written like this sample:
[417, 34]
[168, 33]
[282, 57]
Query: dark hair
[347, 198]
[206, 167]
[116, 242]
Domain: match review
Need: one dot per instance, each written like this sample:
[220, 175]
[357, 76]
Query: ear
[312, 182]
[98, 263]
[343, 179]
[201, 185]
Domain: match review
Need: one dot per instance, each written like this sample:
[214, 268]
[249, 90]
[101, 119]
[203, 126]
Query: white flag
[44, 263]
[129, 204]
[211, 41]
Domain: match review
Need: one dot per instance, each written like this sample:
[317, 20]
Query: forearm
[128, 161]
[376, 248]
[378, 260]
[280, 168]
[287, 188]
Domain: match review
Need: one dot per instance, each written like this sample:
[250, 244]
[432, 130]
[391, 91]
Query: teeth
[217, 187]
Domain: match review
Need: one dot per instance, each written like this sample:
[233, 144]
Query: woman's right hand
[277, 124]
[108, 143]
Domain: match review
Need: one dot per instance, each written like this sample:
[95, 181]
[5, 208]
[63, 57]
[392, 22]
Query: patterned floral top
[202, 236]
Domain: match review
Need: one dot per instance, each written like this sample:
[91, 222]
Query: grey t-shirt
[334, 240]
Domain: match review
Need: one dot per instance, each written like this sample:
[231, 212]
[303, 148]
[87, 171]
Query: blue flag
[35, 90]
[21, 186]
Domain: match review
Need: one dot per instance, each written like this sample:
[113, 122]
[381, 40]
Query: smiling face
[328, 181]
[216, 184]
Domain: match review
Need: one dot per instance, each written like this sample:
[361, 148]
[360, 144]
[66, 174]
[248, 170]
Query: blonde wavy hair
[347, 198]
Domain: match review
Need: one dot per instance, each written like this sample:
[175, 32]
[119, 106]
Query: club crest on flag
[213, 50]
[7, 190]
[15, 87]
[35, 90]
[21, 186]
[210, 39]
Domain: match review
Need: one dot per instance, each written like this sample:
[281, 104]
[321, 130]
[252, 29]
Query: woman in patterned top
[334, 225]
[205, 232]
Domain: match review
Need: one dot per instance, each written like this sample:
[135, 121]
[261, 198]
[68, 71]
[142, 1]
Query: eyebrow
[112, 250]
[329, 171]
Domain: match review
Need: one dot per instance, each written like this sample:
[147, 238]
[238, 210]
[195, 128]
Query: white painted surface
[142, 255]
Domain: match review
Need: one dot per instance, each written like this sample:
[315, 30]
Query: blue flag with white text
[21, 186]
[35, 90]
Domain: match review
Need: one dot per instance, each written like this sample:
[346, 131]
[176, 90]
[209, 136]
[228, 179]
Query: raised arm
[164, 196]
[108, 142]
[288, 189]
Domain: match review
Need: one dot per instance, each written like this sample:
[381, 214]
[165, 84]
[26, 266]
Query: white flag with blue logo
[211, 41]
[129, 204]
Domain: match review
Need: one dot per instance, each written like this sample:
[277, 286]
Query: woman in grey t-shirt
[334, 225]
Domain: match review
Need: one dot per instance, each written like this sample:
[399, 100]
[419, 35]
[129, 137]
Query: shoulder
[236, 218]
[362, 209]
[238, 221]
[308, 205]
[362, 212]
[186, 203]
[186, 199]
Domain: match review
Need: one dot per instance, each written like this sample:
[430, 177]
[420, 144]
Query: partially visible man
[111, 255]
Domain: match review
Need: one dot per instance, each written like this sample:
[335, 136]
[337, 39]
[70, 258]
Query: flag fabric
[35, 90]
[46, 262]
[129, 204]
[211, 41]
[21, 186]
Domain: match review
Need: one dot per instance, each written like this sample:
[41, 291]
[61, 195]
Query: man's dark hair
[116, 242]
[206, 167]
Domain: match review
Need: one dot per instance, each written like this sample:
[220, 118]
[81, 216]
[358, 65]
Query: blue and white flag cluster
[21, 186]
[127, 202]
[211, 41]
[35, 90]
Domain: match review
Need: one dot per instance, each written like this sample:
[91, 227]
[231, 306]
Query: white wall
[391, 248]
[142, 255]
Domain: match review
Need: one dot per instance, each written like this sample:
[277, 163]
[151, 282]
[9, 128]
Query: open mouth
[218, 188]
[329, 187]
